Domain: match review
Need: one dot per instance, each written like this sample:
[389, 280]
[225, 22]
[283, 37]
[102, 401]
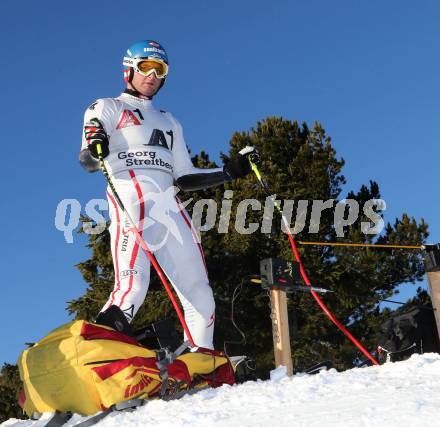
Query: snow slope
[395, 394]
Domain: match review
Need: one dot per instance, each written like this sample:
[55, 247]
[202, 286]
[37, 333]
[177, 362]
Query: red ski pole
[144, 246]
[306, 279]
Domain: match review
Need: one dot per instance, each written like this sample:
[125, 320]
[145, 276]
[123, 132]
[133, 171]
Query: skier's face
[146, 85]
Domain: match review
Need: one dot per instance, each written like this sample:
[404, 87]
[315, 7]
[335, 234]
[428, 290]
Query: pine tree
[10, 385]
[299, 163]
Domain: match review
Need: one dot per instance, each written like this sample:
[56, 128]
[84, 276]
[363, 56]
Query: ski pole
[144, 246]
[302, 270]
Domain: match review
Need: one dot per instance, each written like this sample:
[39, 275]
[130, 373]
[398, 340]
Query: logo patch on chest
[127, 119]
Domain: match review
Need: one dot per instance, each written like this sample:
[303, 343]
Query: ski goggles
[147, 66]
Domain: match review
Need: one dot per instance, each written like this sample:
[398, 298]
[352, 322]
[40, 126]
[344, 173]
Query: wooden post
[280, 330]
[432, 265]
[434, 290]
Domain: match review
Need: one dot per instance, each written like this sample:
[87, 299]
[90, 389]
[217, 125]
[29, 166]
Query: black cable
[235, 294]
[403, 303]
[365, 299]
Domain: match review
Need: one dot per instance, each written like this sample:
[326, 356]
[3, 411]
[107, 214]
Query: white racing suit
[147, 153]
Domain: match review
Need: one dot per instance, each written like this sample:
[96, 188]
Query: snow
[395, 394]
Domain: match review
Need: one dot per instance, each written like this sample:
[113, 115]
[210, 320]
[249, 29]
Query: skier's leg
[131, 265]
[182, 260]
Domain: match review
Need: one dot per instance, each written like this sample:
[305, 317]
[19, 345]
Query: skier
[144, 152]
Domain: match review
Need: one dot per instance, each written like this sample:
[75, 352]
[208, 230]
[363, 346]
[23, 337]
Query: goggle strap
[128, 62]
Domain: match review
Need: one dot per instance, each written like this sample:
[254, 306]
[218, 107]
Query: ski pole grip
[255, 170]
[251, 153]
[99, 149]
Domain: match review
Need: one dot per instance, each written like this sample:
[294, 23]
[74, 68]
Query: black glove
[238, 166]
[95, 134]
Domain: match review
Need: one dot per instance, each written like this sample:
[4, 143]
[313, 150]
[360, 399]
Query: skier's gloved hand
[95, 134]
[251, 153]
[238, 166]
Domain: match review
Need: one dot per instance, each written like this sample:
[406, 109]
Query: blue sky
[368, 71]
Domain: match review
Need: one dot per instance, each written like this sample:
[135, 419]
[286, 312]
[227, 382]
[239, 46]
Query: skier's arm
[201, 180]
[190, 178]
[198, 179]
